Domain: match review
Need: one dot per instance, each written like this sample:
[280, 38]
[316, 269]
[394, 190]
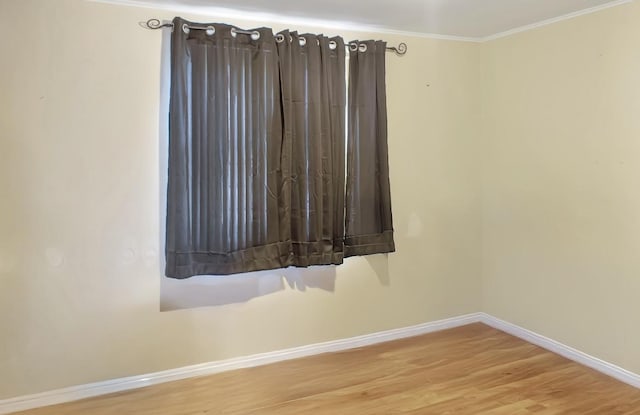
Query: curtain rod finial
[154, 24]
[400, 50]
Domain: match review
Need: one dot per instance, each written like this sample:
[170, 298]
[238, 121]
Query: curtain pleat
[313, 100]
[369, 224]
[225, 137]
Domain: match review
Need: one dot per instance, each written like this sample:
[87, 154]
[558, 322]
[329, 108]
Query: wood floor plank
[471, 370]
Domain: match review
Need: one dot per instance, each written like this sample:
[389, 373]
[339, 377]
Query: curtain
[369, 225]
[256, 171]
[225, 134]
[312, 69]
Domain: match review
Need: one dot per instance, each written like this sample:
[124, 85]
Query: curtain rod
[153, 24]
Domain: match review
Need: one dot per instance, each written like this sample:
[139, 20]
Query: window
[256, 171]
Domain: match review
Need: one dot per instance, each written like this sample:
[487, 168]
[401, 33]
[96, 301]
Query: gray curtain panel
[225, 183]
[312, 72]
[369, 225]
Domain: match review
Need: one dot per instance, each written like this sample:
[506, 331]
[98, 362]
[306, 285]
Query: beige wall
[561, 186]
[515, 186]
[79, 209]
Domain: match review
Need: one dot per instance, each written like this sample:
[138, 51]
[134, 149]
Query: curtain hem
[369, 244]
[182, 265]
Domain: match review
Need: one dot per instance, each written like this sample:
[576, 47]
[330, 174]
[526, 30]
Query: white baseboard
[117, 385]
[570, 353]
[75, 393]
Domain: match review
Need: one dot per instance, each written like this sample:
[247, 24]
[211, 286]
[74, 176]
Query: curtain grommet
[362, 47]
[211, 30]
[332, 44]
[233, 32]
[279, 38]
[302, 40]
[185, 29]
[255, 35]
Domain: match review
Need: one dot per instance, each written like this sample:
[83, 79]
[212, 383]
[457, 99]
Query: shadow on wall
[208, 290]
[204, 291]
[380, 265]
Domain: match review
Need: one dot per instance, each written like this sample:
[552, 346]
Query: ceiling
[468, 19]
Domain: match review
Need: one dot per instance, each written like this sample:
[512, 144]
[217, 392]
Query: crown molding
[553, 20]
[234, 14]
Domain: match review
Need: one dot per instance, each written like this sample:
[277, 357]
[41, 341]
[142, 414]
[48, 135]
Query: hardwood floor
[468, 370]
